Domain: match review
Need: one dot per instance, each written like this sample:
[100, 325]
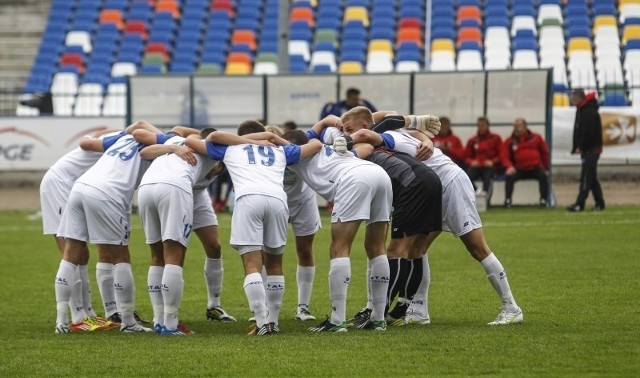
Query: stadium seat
[356, 13]
[79, 38]
[89, 100]
[238, 68]
[325, 58]
[350, 67]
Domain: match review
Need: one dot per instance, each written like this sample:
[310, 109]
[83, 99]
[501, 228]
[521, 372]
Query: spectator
[587, 141]
[482, 155]
[449, 143]
[352, 100]
[525, 155]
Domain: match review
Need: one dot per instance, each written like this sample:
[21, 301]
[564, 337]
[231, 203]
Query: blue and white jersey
[442, 165]
[118, 171]
[173, 170]
[77, 161]
[327, 135]
[256, 169]
[322, 170]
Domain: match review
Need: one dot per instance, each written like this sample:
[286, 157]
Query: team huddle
[380, 168]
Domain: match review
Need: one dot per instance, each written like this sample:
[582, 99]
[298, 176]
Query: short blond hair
[359, 113]
[273, 129]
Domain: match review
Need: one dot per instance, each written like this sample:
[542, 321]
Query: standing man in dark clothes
[587, 141]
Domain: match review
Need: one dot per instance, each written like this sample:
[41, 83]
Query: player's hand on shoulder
[186, 154]
[425, 150]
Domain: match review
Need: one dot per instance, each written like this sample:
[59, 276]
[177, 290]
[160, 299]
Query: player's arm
[145, 136]
[328, 121]
[197, 144]
[230, 139]
[363, 150]
[365, 136]
[142, 125]
[184, 152]
[269, 137]
[184, 131]
[92, 144]
[380, 115]
[425, 150]
[311, 148]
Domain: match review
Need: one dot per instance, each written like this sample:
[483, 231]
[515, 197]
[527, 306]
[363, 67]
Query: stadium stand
[90, 46]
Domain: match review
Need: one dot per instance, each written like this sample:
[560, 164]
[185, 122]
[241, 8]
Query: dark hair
[206, 131]
[249, 127]
[353, 92]
[444, 119]
[578, 92]
[290, 125]
[298, 137]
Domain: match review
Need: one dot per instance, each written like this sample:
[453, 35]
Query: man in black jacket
[587, 141]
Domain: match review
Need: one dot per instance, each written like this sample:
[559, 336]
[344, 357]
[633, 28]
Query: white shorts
[203, 214]
[364, 193]
[92, 216]
[166, 212]
[54, 194]
[259, 222]
[304, 217]
[459, 213]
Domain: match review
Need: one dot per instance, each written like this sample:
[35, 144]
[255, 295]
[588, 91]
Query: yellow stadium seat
[356, 13]
[560, 99]
[442, 44]
[238, 68]
[381, 45]
[350, 67]
[625, 2]
[578, 44]
[630, 32]
[603, 20]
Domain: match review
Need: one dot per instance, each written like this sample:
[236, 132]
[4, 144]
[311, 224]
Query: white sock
[172, 288]
[125, 292]
[369, 303]
[86, 291]
[75, 304]
[256, 296]
[498, 278]
[379, 283]
[274, 290]
[339, 278]
[420, 301]
[213, 274]
[304, 278]
[154, 285]
[63, 287]
[104, 276]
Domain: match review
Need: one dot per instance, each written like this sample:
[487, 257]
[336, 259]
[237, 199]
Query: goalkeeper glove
[428, 124]
[342, 145]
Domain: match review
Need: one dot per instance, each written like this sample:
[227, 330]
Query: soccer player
[54, 192]
[360, 191]
[305, 222]
[98, 211]
[460, 216]
[259, 221]
[417, 211]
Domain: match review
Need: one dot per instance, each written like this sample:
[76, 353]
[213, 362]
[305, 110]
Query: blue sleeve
[388, 141]
[292, 152]
[311, 134]
[110, 140]
[161, 138]
[216, 151]
[321, 136]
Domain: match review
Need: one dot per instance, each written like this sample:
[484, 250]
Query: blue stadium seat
[353, 55]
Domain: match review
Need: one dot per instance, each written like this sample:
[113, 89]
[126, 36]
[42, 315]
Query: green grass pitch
[574, 275]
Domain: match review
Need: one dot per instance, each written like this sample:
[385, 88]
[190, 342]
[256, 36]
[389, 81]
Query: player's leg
[305, 275]
[172, 284]
[104, 277]
[374, 242]
[418, 311]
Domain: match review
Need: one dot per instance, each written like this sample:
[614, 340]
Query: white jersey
[297, 190]
[118, 171]
[442, 165]
[173, 170]
[256, 169]
[322, 170]
[77, 161]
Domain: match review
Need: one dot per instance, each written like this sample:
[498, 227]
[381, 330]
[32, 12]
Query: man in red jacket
[482, 155]
[525, 155]
[449, 143]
